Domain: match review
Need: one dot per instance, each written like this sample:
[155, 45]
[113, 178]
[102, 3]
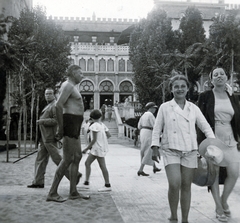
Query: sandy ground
[133, 199]
[19, 204]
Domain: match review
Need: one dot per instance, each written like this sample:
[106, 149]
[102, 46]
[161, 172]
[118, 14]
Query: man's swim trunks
[72, 125]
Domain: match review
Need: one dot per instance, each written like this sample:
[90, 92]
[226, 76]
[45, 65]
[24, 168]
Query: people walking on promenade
[175, 123]
[69, 110]
[109, 113]
[98, 149]
[47, 143]
[145, 125]
[221, 109]
[103, 109]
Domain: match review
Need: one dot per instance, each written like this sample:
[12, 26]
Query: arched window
[106, 86]
[121, 65]
[126, 87]
[86, 86]
[82, 64]
[110, 65]
[129, 66]
[90, 65]
[102, 65]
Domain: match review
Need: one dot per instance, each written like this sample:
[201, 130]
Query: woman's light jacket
[177, 127]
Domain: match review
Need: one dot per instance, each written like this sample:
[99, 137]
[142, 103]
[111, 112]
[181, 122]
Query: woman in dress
[221, 109]
[145, 125]
[175, 123]
[109, 113]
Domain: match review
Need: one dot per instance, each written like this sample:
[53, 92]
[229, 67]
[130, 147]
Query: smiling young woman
[175, 123]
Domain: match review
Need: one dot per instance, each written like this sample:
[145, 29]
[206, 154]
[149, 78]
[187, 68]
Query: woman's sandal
[227, 212]
[173, 220]
[222, 217]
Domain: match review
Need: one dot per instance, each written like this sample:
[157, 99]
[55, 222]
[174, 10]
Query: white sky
[133, 9]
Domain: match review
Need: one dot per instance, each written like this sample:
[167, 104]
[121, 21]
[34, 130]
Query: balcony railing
[75, 47]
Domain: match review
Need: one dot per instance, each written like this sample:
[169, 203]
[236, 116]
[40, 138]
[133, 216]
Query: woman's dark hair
[219, 65]
[177, 77]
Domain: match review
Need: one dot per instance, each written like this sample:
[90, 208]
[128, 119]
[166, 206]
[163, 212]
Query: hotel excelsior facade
[106, 65]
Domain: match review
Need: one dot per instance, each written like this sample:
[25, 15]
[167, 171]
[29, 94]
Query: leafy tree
[50, 46]
[41, 51]
[224, 35]
[6, 65]
[150, 41]
[191, 45]
[191, 29]
[3, 58]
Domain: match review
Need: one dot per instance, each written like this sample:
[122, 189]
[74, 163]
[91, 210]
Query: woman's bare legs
[179, 179]
[230, 181]
[142, 165]
[174, 183]
[216, 194]
[185, 200]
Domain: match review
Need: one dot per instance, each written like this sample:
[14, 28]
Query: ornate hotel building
[96, 47]
[105, 63]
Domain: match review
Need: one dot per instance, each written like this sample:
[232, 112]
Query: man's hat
[150, 105]
[214, 150]
[95, 114]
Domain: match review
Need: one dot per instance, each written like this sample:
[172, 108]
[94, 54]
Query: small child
[98, 149]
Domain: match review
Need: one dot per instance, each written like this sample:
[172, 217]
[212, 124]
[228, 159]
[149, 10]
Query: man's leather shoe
[36, 186]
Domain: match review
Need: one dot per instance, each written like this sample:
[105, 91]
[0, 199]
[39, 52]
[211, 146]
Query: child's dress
[100, 147]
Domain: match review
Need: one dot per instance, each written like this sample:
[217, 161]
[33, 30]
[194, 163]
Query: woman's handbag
[205, 174]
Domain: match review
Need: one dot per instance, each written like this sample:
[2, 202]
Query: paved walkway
[137, 199]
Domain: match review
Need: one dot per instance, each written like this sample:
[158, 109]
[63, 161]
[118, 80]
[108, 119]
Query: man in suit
[48, 144]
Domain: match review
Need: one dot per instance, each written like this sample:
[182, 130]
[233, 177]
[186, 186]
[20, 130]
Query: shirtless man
[69, 111]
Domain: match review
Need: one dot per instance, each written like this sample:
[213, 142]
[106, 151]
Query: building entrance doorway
[87, 101]
[106, 99]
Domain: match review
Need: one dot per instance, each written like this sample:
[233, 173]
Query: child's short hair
[96, 114]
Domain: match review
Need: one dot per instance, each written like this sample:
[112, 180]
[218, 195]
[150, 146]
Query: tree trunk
[186, 74]
[163, 92]
[20, 115]
[37, 109]
[31, 122]
[8, 116]
[24, 123]
[232, 69]
[20, 131]
[24, 106]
